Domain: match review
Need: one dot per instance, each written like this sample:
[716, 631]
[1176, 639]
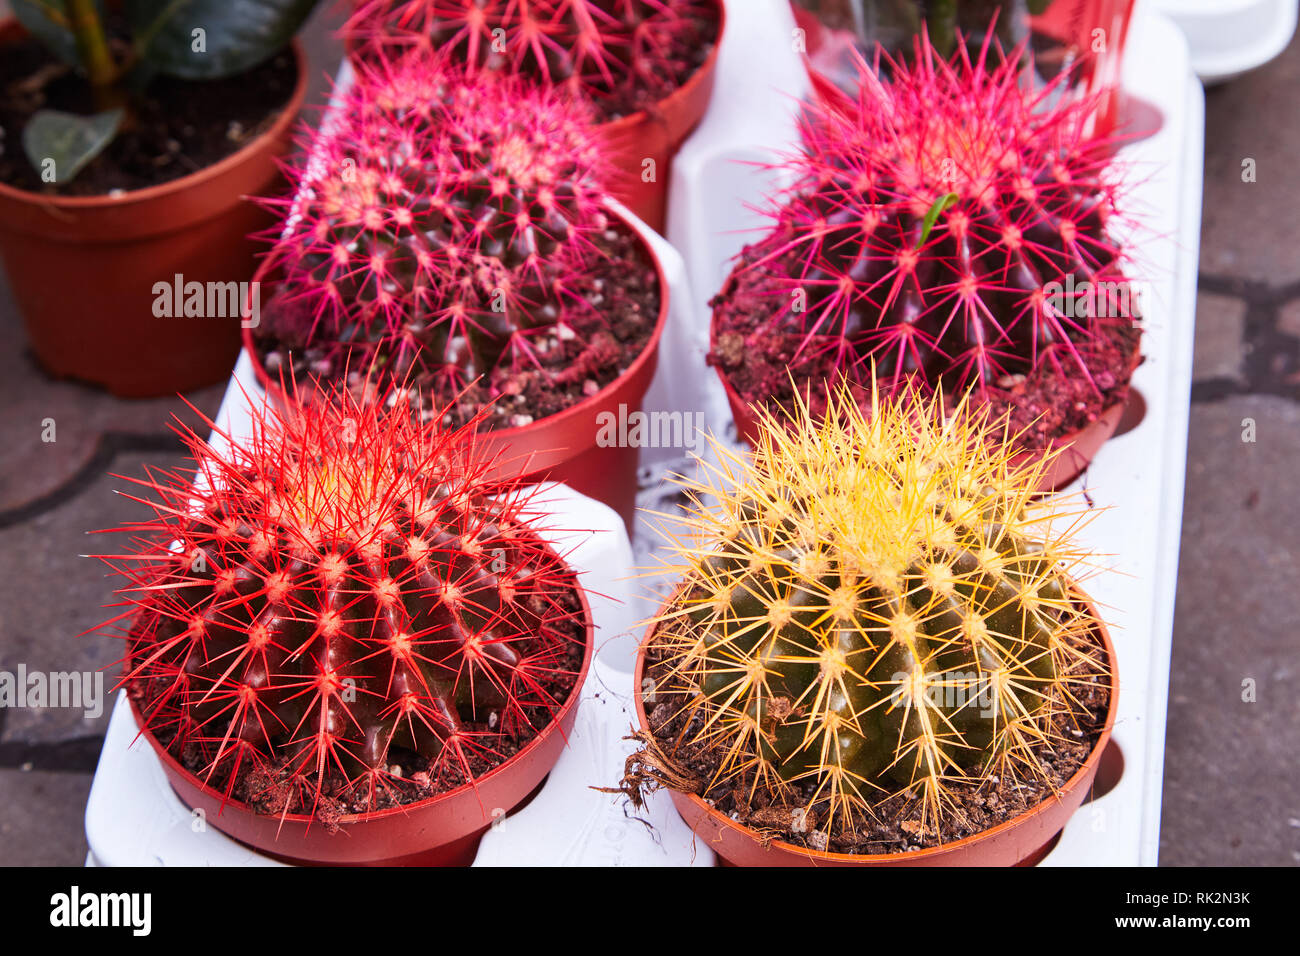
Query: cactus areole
[876, 643]
[339, 617]
[945, 229]
[453, 234]
[623, 56]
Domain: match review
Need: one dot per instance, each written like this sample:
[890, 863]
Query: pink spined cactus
[440, 226]
[623, 55]
[947, 227]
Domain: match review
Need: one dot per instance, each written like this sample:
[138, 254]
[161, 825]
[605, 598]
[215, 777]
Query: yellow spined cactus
[875, 604]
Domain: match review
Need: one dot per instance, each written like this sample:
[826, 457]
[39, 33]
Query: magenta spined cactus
[623, 55]
[451, 231]
[946, 228]
[340, 614]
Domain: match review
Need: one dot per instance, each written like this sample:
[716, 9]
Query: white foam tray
[1137, 476]
[134, 818]
[1230, 37]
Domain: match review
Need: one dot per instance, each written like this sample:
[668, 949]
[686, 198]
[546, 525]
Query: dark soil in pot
[621, 286]
[268, 791]
[178, 128]
[897, 828]
[1047, 403]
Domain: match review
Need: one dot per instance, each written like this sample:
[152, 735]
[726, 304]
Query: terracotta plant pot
[1021, 841]
[563, 447]
[83, 269]
[657, 135]
[442, 831]
[1077, 448]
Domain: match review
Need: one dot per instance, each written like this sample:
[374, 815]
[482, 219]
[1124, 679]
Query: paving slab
[1220, 325]
[52, 596]
[36, 823]
[1288, 319]
[1248, 228]
[1231, 759]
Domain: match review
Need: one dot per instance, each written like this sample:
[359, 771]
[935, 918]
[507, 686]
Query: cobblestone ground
[1230, 764]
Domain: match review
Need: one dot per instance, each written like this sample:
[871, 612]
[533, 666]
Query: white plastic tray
[1230, 37]
[1137, 476]
[133, 817]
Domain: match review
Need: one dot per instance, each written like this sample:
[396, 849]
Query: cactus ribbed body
[441, 226]
[947, 228]
[875, 606]
[343, 601]
[623, 55]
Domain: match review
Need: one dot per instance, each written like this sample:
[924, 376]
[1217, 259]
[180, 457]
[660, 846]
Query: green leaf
[937, 209]
[209, 39]
[68, 140]
[47, 21]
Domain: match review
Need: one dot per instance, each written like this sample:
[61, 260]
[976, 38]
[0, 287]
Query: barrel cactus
[342, 614]
[441, 227]
[948, 227]
[621, 55]
[873, 606]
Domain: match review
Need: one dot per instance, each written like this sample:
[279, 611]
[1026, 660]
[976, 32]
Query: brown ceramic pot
[83, 269]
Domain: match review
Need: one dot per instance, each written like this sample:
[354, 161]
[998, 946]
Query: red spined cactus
[624, 55]
[439, 227]
[949, 228]
[340, 612]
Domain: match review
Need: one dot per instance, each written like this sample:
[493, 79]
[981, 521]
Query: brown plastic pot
[1076, 449]
[442, 831]
[562, 447]
[1021, 841]
[657, 134]
[83, 269]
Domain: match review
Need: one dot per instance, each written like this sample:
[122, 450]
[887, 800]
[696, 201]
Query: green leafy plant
[187, 39]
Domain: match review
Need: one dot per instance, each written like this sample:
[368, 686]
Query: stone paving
[1231, 761]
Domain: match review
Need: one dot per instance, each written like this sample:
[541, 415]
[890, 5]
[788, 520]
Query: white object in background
[1137, 476]
[1231, 37]
[760, 82]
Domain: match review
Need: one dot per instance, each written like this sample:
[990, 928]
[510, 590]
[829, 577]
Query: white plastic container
[1137, 477]
[133, 817]
[1229, 37]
